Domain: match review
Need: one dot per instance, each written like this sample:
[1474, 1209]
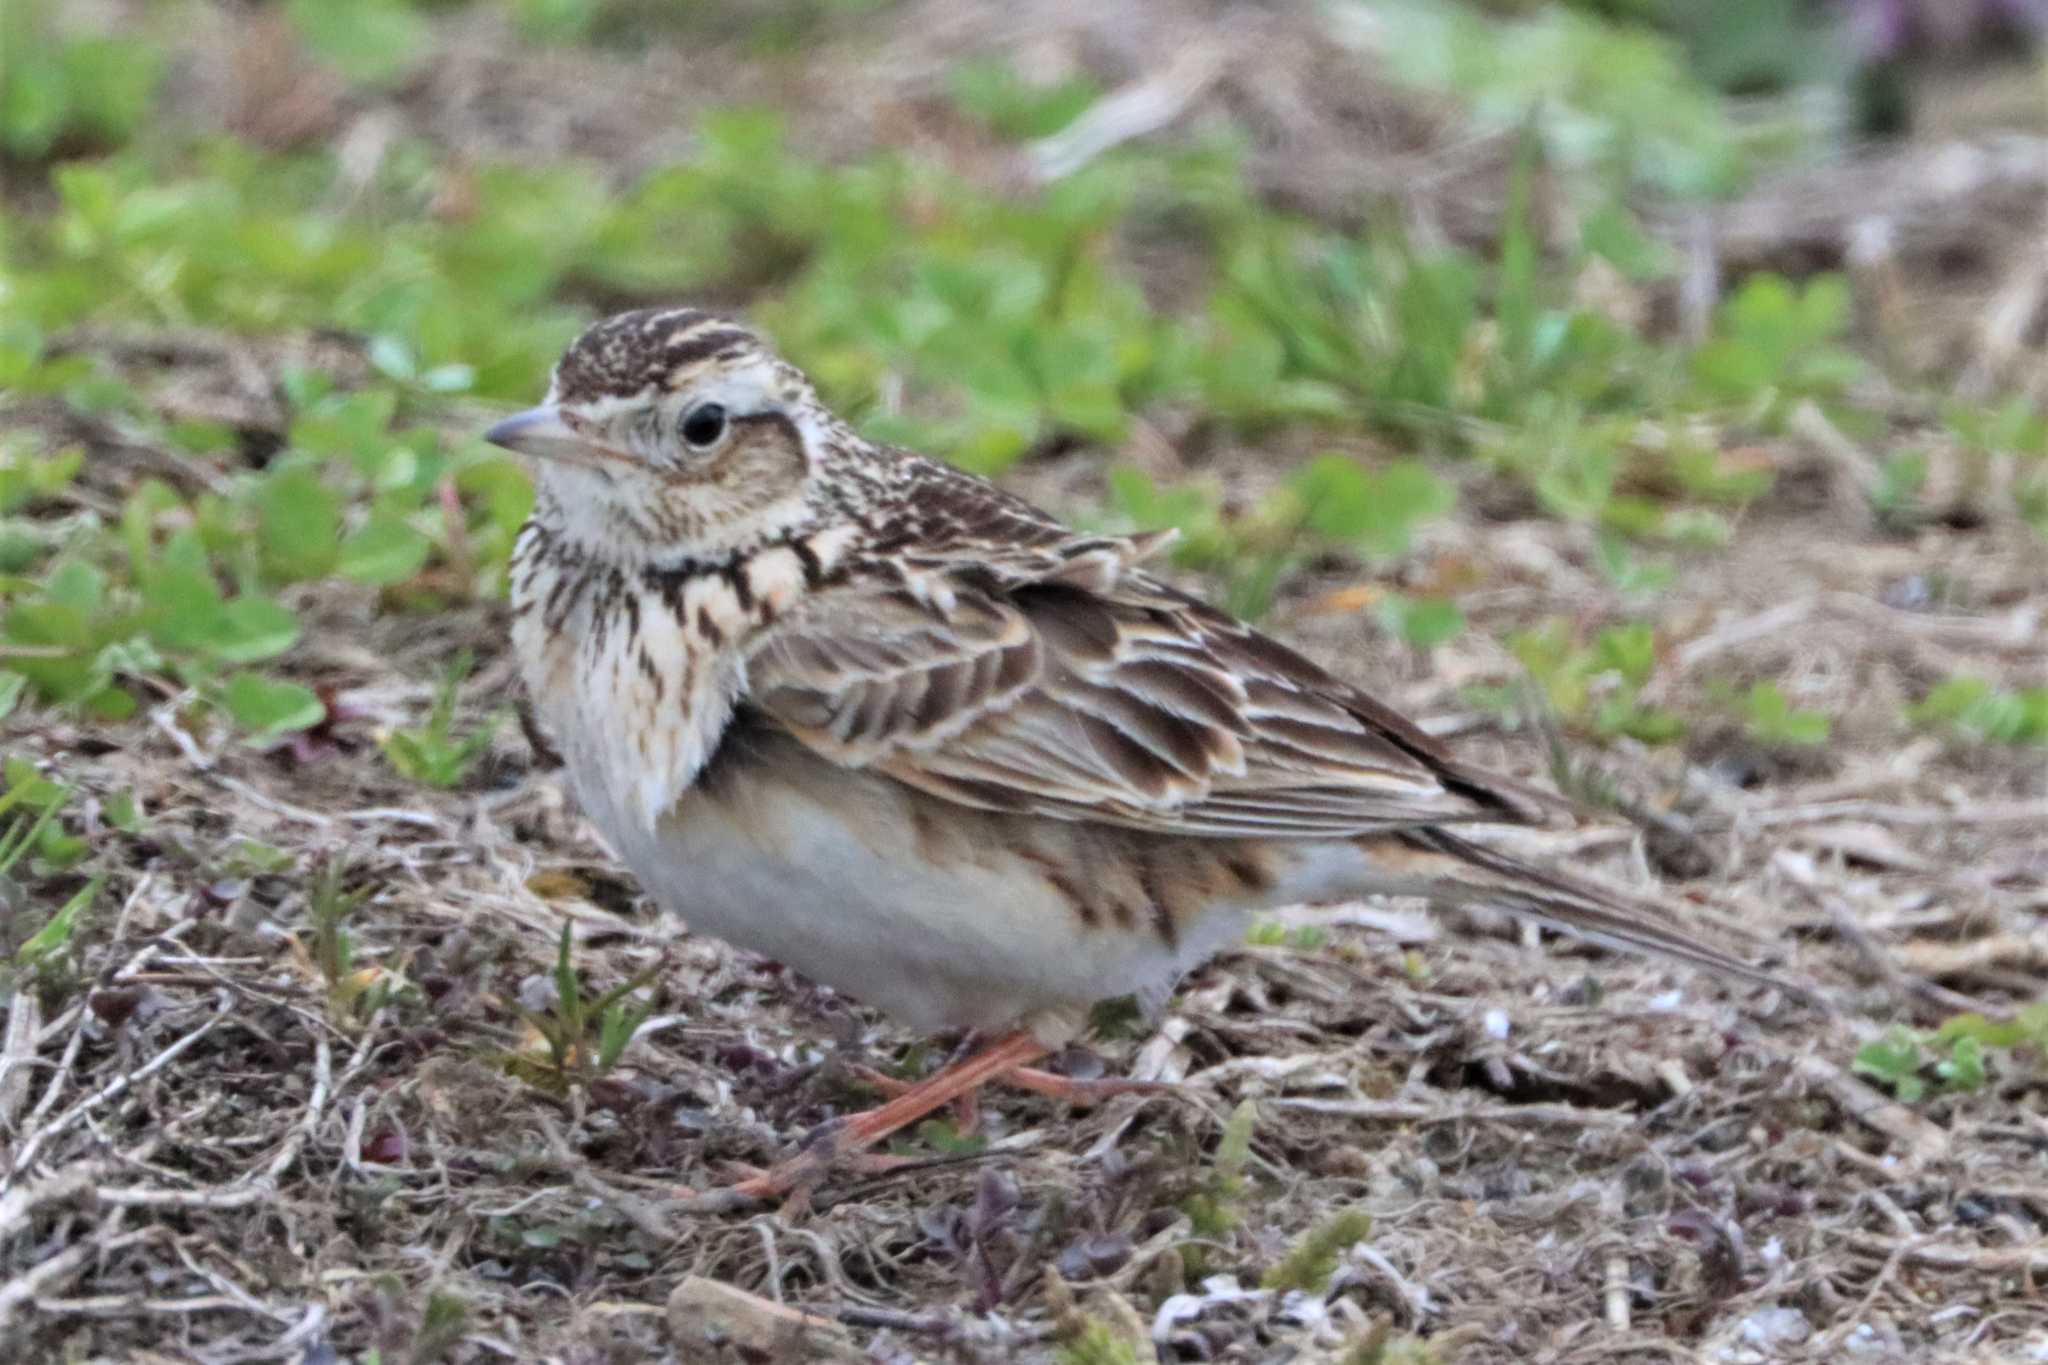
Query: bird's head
[674, 433]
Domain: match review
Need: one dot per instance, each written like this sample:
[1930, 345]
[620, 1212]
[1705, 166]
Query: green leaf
[1378, 510]
[1336, 496]
[270, 707]
[372, 42]
[1630, 650]
[1963, 1068]
[251, 629]
[386, 551]
[299, 524]
[1773, 719]
[355, 427]
[1422, 621]
[124, 812]
[77, 585]
[1612, 233]
[52, 938]
[1894, 1059]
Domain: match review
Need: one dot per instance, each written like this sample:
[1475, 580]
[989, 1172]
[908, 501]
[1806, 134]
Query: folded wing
[1062, 680]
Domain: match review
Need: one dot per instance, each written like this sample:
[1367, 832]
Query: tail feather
[1456, 870]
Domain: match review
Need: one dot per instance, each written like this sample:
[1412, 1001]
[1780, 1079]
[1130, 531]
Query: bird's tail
[1449, 869]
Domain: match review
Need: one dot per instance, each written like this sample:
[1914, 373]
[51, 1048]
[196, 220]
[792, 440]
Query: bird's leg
[1079, 1093]
[966, 1113]
[1067, 1089]
[855, 1133]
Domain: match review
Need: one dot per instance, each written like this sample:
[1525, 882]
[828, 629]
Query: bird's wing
[1060, 679]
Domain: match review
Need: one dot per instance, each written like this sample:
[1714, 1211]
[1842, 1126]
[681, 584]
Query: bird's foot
[795, 1179]
[843, 1145]
[1082, 1094]
[1079, 1093]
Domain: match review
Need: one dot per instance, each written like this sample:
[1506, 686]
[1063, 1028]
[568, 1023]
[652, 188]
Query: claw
[843, 1144]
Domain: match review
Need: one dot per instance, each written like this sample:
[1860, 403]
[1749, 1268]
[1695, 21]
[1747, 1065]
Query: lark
[870, 716]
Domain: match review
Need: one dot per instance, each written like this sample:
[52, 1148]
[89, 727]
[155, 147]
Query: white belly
[844, 877]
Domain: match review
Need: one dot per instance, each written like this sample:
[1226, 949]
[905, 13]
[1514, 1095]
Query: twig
[127, 1305]
[1981, 813]
[639, 1212]
[2030, 1260]
[2027, 952]
[1799, 869]
[1738, 633]
[223, 1001]
[890, 1320]
[1922, 1140]
[316, 1104]
[20, 1201]
[30, 1285]
[17, 1052]
[1405, 1111]
[1616, 1292]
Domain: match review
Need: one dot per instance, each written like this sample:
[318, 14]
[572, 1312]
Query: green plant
[353, 992]
[1096, 1343]
[44, 947]
[442, 1324]
[63, 94]
[27, 478]
[79, 634]
[372, 42]
[434, 753]
[2013, 432]
[1212, 1209]
[1960, 1053]
[1423, 622]
[1615, 100]
[1379, 1346]
[1596, 688]
[1309, 1265]
[1631, 574]
[1770, 718]
[1975, 708]
[30, 806]
[1333, 502]
[1777, 344]
[1895, 497]
[584, 1036]
[34, 843]
[1267, 933]
[991, 91]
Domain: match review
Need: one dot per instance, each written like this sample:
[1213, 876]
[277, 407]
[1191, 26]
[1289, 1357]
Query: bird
[871, 716]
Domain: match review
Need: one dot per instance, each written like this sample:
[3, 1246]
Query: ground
[228, 1137]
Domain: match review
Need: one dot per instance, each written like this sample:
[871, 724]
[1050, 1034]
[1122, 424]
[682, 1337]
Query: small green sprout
[584, 1036]
[434, 753]
[1309, 1266]
[353, 993]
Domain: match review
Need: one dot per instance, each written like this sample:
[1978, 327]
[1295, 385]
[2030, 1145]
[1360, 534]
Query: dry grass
[1565, 1156]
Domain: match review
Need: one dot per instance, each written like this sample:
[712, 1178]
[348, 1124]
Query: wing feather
[1061, 679]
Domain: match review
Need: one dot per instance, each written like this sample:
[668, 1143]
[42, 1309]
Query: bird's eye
[704, 424]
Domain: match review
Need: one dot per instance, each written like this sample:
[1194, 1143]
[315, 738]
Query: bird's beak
[540, 432]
